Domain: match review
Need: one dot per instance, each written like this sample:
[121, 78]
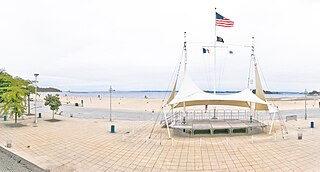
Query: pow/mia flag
[219, 39]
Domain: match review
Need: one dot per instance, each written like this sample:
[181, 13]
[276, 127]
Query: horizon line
[220, 91]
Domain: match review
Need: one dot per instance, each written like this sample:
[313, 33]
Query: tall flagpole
[215, 49]
[185, 67]
[185, 52]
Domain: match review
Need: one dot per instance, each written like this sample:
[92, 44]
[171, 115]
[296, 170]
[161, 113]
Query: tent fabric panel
[259, 89]
[261, 107]
[213, 102]
[173, 92]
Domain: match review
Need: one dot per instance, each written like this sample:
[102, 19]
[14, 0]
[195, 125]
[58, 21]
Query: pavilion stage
[216, 127]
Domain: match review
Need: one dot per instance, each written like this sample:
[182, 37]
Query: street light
[110, 91]
[305, 104]
[35, 99]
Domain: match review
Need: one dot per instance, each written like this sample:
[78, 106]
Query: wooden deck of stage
[218, 127]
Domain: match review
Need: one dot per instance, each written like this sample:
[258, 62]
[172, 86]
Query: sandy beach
[149, 105]
[148, 109]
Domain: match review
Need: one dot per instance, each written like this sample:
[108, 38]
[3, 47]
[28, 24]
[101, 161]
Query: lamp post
[110, 91]
[35, 99]
[305, 104]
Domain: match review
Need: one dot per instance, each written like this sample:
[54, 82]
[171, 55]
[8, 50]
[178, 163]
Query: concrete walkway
[86, 145]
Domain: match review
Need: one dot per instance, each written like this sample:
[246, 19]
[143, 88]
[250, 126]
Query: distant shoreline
[49, 90]
[164, 91]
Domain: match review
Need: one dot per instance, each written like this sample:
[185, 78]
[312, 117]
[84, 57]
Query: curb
[29, 165]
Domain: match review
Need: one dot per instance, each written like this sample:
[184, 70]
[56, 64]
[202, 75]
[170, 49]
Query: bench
[291, 117]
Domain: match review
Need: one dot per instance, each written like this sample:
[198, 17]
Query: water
[117, 94]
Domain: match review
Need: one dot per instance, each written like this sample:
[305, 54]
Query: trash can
[5, 118]
[39, 115]
[299, 136]
[113, 128]
[312, 124]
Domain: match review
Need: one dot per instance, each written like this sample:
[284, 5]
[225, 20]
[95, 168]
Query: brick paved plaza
[86, 145]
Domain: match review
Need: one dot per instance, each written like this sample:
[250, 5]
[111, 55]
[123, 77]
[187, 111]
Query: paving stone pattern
[87, 145]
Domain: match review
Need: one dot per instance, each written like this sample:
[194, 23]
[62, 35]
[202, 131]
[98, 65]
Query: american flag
[222, 21]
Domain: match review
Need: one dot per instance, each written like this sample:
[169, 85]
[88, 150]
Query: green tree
[30, 90]
[5, 81]
[53, 102]
[12, 95]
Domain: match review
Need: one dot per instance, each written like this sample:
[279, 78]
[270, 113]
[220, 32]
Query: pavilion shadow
[18, 125]
[53, 120]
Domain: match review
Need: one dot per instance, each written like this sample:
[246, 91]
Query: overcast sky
[134, 45]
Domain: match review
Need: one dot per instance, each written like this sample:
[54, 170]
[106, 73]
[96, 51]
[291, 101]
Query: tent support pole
[250, 112]
[272, 122]
[184, 108]
[166, 119]
[172, 114]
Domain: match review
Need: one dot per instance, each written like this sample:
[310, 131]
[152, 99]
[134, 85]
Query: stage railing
[181, 117]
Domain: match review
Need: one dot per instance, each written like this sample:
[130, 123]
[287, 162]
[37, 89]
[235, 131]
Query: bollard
[252, 139]
[39, 115]
[299, 136]
[5, 118]
[113, 128]
[9, 144]
[311, 124]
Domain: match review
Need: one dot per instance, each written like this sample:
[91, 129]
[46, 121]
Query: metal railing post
[231, 114]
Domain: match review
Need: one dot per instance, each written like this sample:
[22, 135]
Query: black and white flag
[219, 39]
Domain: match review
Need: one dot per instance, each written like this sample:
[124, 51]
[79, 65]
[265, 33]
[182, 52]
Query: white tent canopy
[191, 95]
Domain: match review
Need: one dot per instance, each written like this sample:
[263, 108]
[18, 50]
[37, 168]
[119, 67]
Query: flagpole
[185, 51]
[215, 49]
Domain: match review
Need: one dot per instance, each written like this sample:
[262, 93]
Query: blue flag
[204, 50]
